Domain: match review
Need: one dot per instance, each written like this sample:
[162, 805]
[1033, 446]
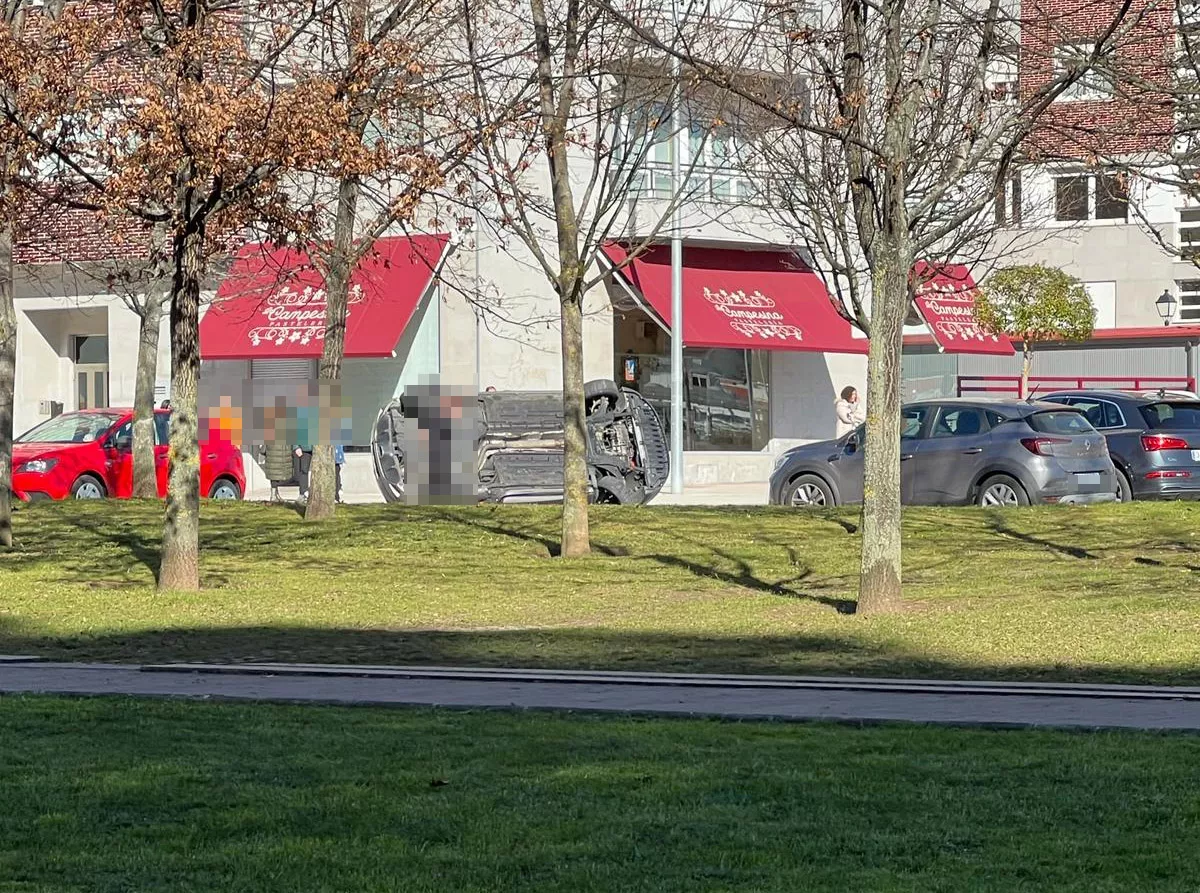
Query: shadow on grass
[549, 648]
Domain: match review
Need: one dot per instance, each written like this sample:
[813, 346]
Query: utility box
[51, 408]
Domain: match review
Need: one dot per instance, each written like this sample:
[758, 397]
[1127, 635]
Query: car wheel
[601, 389]
[88, 487]
[1124, 487]
[808, 492]
[225, 489]
[1002, 491]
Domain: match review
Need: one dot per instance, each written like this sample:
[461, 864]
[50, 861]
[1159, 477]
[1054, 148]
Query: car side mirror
[852, 444]
[121, 444]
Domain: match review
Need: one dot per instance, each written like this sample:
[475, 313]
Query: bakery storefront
[261, 339]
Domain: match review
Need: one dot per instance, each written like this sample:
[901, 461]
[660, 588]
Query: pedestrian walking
[339, 459]
[849, 410]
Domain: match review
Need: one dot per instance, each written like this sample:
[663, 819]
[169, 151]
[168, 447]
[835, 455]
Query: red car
[89, 455]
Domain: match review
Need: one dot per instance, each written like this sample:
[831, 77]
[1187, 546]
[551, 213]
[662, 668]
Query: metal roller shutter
[283, 369]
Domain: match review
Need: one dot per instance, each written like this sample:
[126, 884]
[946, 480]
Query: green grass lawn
[114, 795]
[1100, 593]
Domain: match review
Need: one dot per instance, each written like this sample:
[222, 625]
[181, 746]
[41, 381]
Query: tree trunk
[322, 482]
[555, 110]
[180, 570]
[8, 375]
[1026, 363]
[879, 585]
[576, 535]
[145, 477]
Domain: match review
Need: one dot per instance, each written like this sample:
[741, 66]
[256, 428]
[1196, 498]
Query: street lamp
[1165, 305]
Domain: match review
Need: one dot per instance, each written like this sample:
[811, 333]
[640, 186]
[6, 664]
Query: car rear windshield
[1060, 422]
[1172, 415]
[70, 428]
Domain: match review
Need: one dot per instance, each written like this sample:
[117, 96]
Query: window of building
[1188, 239]
[1008, 201]
[1071, 198]
[1091, 197]
[726, 392]
[1094, 85]
[1189, 301]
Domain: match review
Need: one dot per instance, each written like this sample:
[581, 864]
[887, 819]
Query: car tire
[88, 486]
[223, 488]
[808, 491]
[601, 389]
[1002, 491]
[1124, 487]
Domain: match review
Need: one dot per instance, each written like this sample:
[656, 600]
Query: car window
[994, 418]
[1064, 400]
[1060, 422]
[1172, 415]
[73, 427]
[162, 428]
[1099, 413]
[912, 421]
[959, 422]
[122, 438]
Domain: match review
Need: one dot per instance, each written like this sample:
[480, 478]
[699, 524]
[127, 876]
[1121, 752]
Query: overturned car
[518, 446]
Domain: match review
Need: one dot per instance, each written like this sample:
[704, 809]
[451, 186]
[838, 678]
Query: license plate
[1091, 477]
[1196, 455]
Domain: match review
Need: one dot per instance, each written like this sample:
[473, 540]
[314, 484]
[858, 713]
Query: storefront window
[726, 392]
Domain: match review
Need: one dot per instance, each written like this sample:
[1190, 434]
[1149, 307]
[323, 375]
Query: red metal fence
[1011, 384]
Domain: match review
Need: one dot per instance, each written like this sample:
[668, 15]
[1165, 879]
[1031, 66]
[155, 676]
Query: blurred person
[277, 458]
[339, 459]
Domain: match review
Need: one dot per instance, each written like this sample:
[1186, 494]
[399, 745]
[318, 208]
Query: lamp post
[1165, 305]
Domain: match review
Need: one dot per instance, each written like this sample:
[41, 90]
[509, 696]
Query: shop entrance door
[91, 371]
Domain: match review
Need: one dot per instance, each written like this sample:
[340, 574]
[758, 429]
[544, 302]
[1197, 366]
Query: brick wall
[1140, 116]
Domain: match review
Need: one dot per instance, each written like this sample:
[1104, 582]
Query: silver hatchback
[962, 452]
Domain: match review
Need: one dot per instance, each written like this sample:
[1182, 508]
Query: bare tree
[223, 110]
[388, 60]
[567, 176]
[906, 118]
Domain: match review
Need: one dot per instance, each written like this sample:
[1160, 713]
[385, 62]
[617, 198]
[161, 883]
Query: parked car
[1154, 439]
[89, 455]
[961, 451]
[519, 446]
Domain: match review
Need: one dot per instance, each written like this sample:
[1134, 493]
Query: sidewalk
[707, 494]
[741, 697]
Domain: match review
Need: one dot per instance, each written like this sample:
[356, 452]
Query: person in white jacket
[850, 412]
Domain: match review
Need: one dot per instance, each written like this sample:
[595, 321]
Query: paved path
[993, 704]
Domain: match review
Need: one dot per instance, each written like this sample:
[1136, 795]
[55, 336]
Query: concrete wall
[804, 387]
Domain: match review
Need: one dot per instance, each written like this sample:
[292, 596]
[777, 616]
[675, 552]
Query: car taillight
[1042, 446]
[1160, 475]
[1152, 443]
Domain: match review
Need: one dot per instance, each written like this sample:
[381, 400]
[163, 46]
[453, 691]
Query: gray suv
[1154, 439]
[963, 452]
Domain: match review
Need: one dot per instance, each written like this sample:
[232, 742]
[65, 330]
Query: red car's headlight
[37, 466]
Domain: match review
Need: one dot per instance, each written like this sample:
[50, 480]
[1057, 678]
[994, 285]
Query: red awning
[766, 300]
[272, 303]
[945, 298]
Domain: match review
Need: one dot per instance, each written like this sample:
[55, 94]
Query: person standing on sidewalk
[849, 410]
[339, 459]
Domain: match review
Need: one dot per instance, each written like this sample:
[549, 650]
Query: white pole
[676, 289]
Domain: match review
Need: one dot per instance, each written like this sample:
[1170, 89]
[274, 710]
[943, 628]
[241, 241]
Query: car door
[119, 452]
[950, 459]
[913, 424]
[162, 450]
[846, 466]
